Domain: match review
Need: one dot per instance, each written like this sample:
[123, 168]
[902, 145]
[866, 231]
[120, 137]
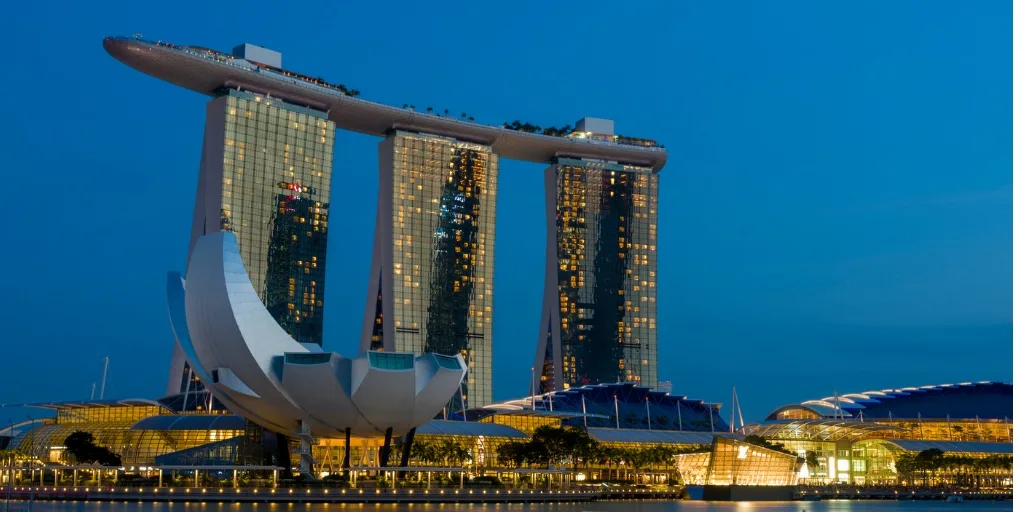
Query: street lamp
[10, 461]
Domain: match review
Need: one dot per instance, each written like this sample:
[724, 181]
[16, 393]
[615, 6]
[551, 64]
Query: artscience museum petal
[258, 371]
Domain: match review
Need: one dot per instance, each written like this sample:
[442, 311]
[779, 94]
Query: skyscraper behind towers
[598, 323]
[265, 174]
[431, 286]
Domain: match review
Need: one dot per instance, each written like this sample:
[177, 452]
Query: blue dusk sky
[835, 212]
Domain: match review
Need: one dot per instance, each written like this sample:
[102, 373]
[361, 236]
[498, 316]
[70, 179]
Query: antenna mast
[103, 386]
[739, 410]
[732, 411]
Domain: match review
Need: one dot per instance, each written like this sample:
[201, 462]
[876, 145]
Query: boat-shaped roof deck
[209, 72]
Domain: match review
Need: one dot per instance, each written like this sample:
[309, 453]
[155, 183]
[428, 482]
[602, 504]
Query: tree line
[82, 446]
[548, 446]
[532, 128]
[552, 446]
[926, 464]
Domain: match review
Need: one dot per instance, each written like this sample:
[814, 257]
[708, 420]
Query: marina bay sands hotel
[265, 175]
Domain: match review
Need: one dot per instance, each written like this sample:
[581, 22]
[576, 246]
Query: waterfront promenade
[282, 495]
[852, 492]
[456, 495]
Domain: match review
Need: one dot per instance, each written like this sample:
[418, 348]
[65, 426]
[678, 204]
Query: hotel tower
[432, 276]
[599, 316]
[265, 175]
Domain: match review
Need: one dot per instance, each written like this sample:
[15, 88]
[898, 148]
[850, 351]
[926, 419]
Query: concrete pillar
[197, 478]
[234, 478]
[305, 449]
[407, 448]
[346, 460]
[160, 478]
[385, 452]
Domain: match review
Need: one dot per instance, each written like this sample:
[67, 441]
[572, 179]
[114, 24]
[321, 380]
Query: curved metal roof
[633, 404]
[818, 429]
[190, 422]
[201, 72]
[14, 429]
[966, 400]
[469, 428]
[627, 435]
[952, 446]
[80, 404]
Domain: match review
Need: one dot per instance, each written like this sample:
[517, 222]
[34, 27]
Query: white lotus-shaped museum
[259, 372]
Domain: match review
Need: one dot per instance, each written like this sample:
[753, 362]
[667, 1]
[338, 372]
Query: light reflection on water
[600, 506]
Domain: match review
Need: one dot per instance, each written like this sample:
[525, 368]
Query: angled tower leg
[548, 359]
[213, 141]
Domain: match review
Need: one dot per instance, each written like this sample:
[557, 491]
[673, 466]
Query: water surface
[600, 506]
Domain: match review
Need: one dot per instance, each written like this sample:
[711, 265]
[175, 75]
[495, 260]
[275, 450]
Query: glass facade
[601, 307]
[391, 361]
[732, 462]
[441, 256]
[136, 447]
[274, 195]
[991, 431]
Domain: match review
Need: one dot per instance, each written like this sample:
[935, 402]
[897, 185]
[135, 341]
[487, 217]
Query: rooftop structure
[208, 72]
[622, 406]
[595, 126]
[257, 54]
[966, 400]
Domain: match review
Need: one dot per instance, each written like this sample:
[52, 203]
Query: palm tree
[424, 452]
[412, 107]
[446, 112]
[395, 455]
[580, 446]
[430, 109]
[512, 454]
[463, 115]
[929, 460]
[405, 105]
[907, 467]
[812, 461]
[471, 118]
[451, 452]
